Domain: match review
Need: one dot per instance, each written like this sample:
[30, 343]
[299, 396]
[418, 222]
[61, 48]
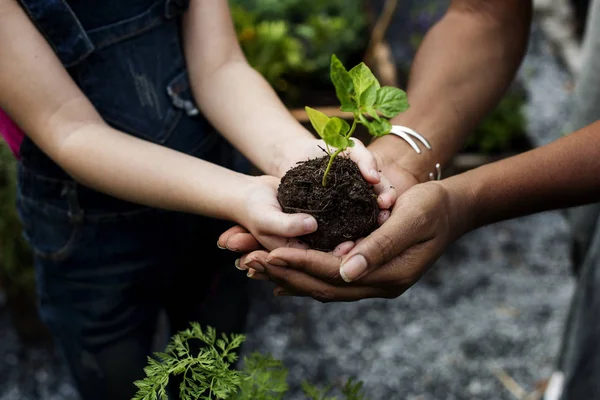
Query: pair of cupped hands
[416, 222]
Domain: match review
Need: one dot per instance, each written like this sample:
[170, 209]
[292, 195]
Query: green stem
[334, 155]
[331, 158]
[352, 129]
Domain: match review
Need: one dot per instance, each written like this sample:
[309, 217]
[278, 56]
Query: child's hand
[307, 148]
[262, 216]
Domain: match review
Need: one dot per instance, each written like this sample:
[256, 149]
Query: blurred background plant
[289, 41]
[504, 129]
[17, 275]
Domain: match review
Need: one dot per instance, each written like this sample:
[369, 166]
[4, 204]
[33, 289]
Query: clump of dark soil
[346, 209]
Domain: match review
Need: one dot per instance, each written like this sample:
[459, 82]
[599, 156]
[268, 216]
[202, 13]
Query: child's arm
[244, 108]
[39, 95]
[236, 99]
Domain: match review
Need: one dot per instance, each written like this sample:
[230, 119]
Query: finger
[386, 193]
[255, 260]
[343, 248]
[383, 216]
[367, 164]
[225, 236]
[318, 264]
[242, 243]
[277, 223]
[280, 291]
[406, 227]
[270, 242]
[299, 284]
[404, 270]
[257, 276]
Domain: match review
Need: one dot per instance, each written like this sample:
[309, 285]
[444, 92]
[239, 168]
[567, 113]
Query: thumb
[391, 239]
[367, 164]
[277, 223]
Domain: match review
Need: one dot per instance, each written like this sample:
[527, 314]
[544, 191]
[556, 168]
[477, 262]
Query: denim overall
[107, 268]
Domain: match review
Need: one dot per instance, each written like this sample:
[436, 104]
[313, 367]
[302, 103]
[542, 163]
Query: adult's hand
[239, 239]
[425, 220]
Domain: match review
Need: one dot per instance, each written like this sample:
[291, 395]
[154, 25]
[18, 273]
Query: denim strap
[61, 28]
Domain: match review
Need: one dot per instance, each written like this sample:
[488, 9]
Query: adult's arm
[461, 70]
[430, 216]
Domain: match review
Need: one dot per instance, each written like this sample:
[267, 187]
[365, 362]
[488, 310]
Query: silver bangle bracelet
[408, 134]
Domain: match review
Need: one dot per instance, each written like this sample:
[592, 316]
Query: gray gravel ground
[496, 299]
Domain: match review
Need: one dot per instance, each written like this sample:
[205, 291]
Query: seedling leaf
[376, 128]
[342, 82]
[369, 96]
[335, 131]
[391, 101]
[318, 120]
[362, 79]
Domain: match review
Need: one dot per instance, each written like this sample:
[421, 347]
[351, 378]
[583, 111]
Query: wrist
[288, 149]
[464, 211]
[394, 152]
[233, 205]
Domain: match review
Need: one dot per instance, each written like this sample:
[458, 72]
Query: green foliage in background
[286, 38]
[503, 127]
[207, 373]
[16, 261]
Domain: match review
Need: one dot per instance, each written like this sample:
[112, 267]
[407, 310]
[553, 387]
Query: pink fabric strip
[11, 133]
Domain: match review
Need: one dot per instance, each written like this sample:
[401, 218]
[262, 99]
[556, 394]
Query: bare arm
[234, 97]
[39, 95]
[461, 70]
[559, 175]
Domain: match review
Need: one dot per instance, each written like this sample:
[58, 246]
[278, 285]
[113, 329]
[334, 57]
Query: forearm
[142, 172]
[461, 70]
[559, 175]
[39, 95]
[235, 98]
[245, 109]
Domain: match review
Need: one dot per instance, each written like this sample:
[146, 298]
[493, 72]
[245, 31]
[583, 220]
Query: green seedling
[359, 93]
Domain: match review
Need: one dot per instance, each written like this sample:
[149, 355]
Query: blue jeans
[105, 267]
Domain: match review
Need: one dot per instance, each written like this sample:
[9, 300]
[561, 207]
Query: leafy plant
[208, 374]
[207, 371]
[268, 45]
[504, 126]
[351, 391]
[359, 93]
[16, 261]
[283, 39]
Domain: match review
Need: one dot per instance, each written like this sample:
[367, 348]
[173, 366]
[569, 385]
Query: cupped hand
[239, 239]
[424, 221]
[264, 220]
[298, 150]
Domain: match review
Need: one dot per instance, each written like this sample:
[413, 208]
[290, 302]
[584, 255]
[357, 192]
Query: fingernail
[383, 216]
[238, 266]
[255, 265]
[221, 247]
[310, 225]
[277, 262]
[353, 268]
[250, 273]
[374, 174]
[281, 293]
